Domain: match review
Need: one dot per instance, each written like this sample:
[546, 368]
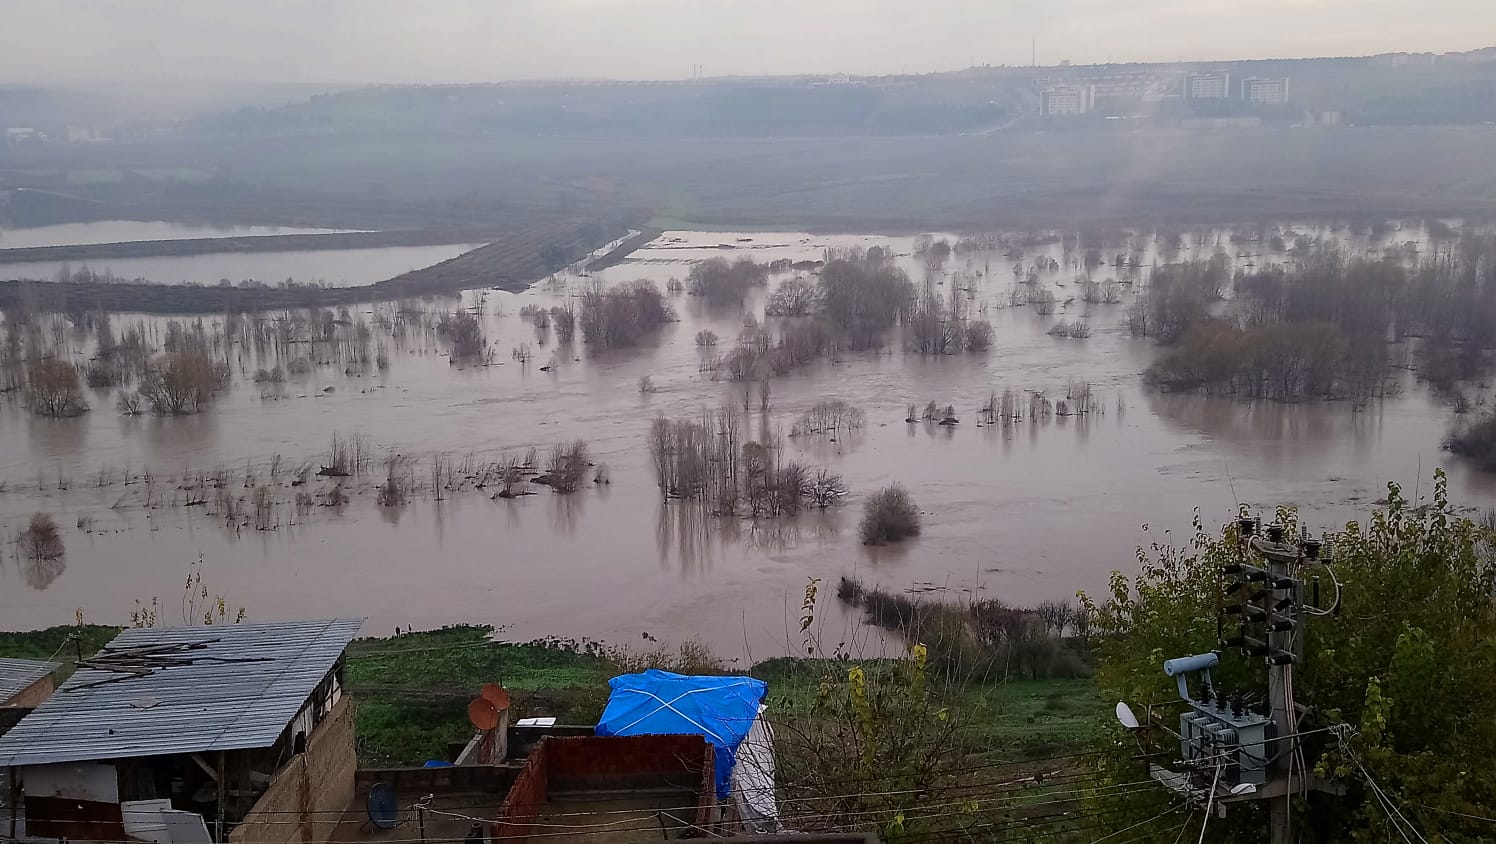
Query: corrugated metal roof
[245, 683]
[17, 674]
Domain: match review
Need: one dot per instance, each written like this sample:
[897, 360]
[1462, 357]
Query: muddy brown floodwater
[1028, 512]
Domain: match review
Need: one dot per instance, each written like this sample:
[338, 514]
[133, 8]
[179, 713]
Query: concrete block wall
[311, 791]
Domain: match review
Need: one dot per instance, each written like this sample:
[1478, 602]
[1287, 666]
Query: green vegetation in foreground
[1397, 687]
[1012, 721]
[412, 690]
[57, 643]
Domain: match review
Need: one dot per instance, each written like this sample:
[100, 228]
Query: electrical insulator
[1280, 657]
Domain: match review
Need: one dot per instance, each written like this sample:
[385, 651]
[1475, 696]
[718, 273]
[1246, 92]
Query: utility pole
[1225, 745]
[1284, 632]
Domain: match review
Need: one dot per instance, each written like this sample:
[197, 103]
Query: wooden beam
[203, 763]
[222, 798]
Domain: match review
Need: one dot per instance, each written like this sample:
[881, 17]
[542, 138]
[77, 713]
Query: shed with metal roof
[202, 717]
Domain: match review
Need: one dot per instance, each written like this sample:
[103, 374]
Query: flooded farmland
[329, 267]
[1023, 512]
[129, 231]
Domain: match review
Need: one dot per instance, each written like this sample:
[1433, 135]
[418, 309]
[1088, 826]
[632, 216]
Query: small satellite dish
[384, 809]
[1124, 714]
[1244, 788]
[496, 695]
[483, 714]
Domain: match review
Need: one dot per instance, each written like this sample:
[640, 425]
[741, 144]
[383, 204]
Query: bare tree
[53, 389]
[41, 540]
[796, 297]
[183, 382]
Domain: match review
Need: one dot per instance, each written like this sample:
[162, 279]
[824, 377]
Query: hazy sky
[355, 41]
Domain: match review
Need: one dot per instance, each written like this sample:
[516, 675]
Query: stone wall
[305, 800]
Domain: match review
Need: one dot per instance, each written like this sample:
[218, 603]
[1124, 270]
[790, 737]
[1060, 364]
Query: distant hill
[1393, 89]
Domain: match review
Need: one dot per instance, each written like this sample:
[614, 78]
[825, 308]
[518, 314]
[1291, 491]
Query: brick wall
[526, 798]
[313, 789]
[33, 695]
[611, 763]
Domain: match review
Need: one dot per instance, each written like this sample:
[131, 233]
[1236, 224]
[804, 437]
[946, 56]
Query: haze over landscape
[457, 41]
[945, 366]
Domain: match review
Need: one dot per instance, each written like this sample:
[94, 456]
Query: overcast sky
[358, 41]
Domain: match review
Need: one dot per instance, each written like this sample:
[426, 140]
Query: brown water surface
[1024, 513]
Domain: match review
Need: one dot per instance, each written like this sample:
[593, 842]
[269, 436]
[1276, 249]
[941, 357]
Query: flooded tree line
[1327, 327]
[1321, 325]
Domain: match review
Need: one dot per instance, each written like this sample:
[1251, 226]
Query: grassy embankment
[92, 252]
[512, 262]
[412, 690]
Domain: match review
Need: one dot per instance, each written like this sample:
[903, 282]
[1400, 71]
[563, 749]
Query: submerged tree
[623, 315]
[183, 382]
[41, 540]
[53, 389]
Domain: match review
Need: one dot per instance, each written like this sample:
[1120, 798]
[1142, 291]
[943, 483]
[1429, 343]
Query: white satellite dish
[1124, 714]
[1244, 788]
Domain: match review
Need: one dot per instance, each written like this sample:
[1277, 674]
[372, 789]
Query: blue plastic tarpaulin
[654, 703]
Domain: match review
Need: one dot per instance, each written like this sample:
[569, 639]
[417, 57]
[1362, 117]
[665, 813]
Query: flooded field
[1023, 512]
[126, 231]
[331, 267]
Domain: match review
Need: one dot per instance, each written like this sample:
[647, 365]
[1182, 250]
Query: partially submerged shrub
[889, 516]
[1075, 330]
[1476, 442]
[465, 333]
[567, 467]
